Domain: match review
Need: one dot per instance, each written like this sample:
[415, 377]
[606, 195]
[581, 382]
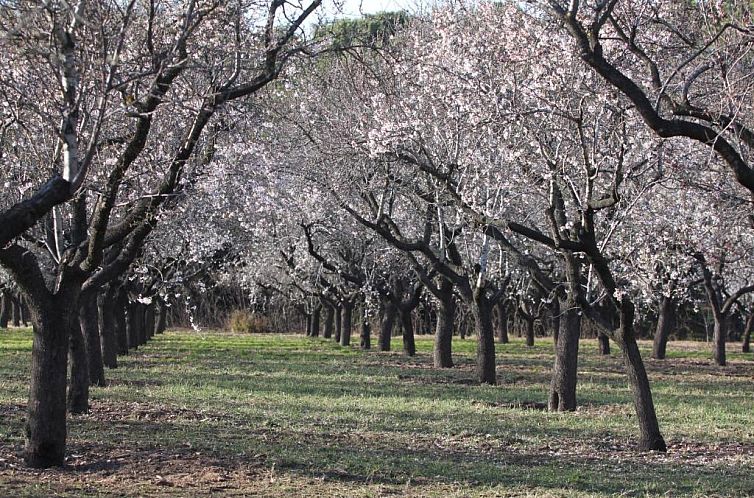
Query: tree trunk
[162, 315]
[121, 321]
[78, 387]
[502, 323]
[329, 317]
[719, 338]
[16, 311]
[603, 343]
[308, 324]
[409, 345]
[6, 309]
[665, 323]
[141, 330]
[46, 421]
[529, 332]
[345, 336]
[442, 354]
[315, 321]
[564, 373]
[106, 316]
[89, 321]
[132, 325]
[366, 332]
[149, 322]
[746, 346]
[386, 325]
[650, 438]
[338, 323]
[485, 351]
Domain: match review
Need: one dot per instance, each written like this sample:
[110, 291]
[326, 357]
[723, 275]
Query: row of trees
[567, 164]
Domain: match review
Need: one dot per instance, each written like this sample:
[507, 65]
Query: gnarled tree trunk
[329, 318]
[446, 312]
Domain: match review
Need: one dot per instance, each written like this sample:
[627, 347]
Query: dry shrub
[245, 322]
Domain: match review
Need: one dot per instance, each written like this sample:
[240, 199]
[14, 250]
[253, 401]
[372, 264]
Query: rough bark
[564, 374]
[78, 387]
[665, 324]
[89, 321]
[485, 352]
[446, 310]
[46, 421]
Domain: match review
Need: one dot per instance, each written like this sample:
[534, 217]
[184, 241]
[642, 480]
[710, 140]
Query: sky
[356, 8]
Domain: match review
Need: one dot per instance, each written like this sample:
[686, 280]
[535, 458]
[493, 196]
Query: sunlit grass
[332, 421]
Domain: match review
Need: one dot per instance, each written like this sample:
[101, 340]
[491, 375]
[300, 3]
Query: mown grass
[221, 414]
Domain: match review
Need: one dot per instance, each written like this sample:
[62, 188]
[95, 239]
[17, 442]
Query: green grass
[214, 414]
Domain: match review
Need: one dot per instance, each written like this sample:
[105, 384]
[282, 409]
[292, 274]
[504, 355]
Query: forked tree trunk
[329, 318]
[665, 324]
[46, 420]
[650, 438]
[338, 323]
[386, 325]
[603, 344]
[78, 386]
[345, 336]
[564, 373]
[409, 345]
[106, 317]
[719, 337]
[366, 333]
[443, 347]
[89, 321]
[485, 351]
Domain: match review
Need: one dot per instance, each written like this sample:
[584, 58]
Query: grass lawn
[217, 414]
